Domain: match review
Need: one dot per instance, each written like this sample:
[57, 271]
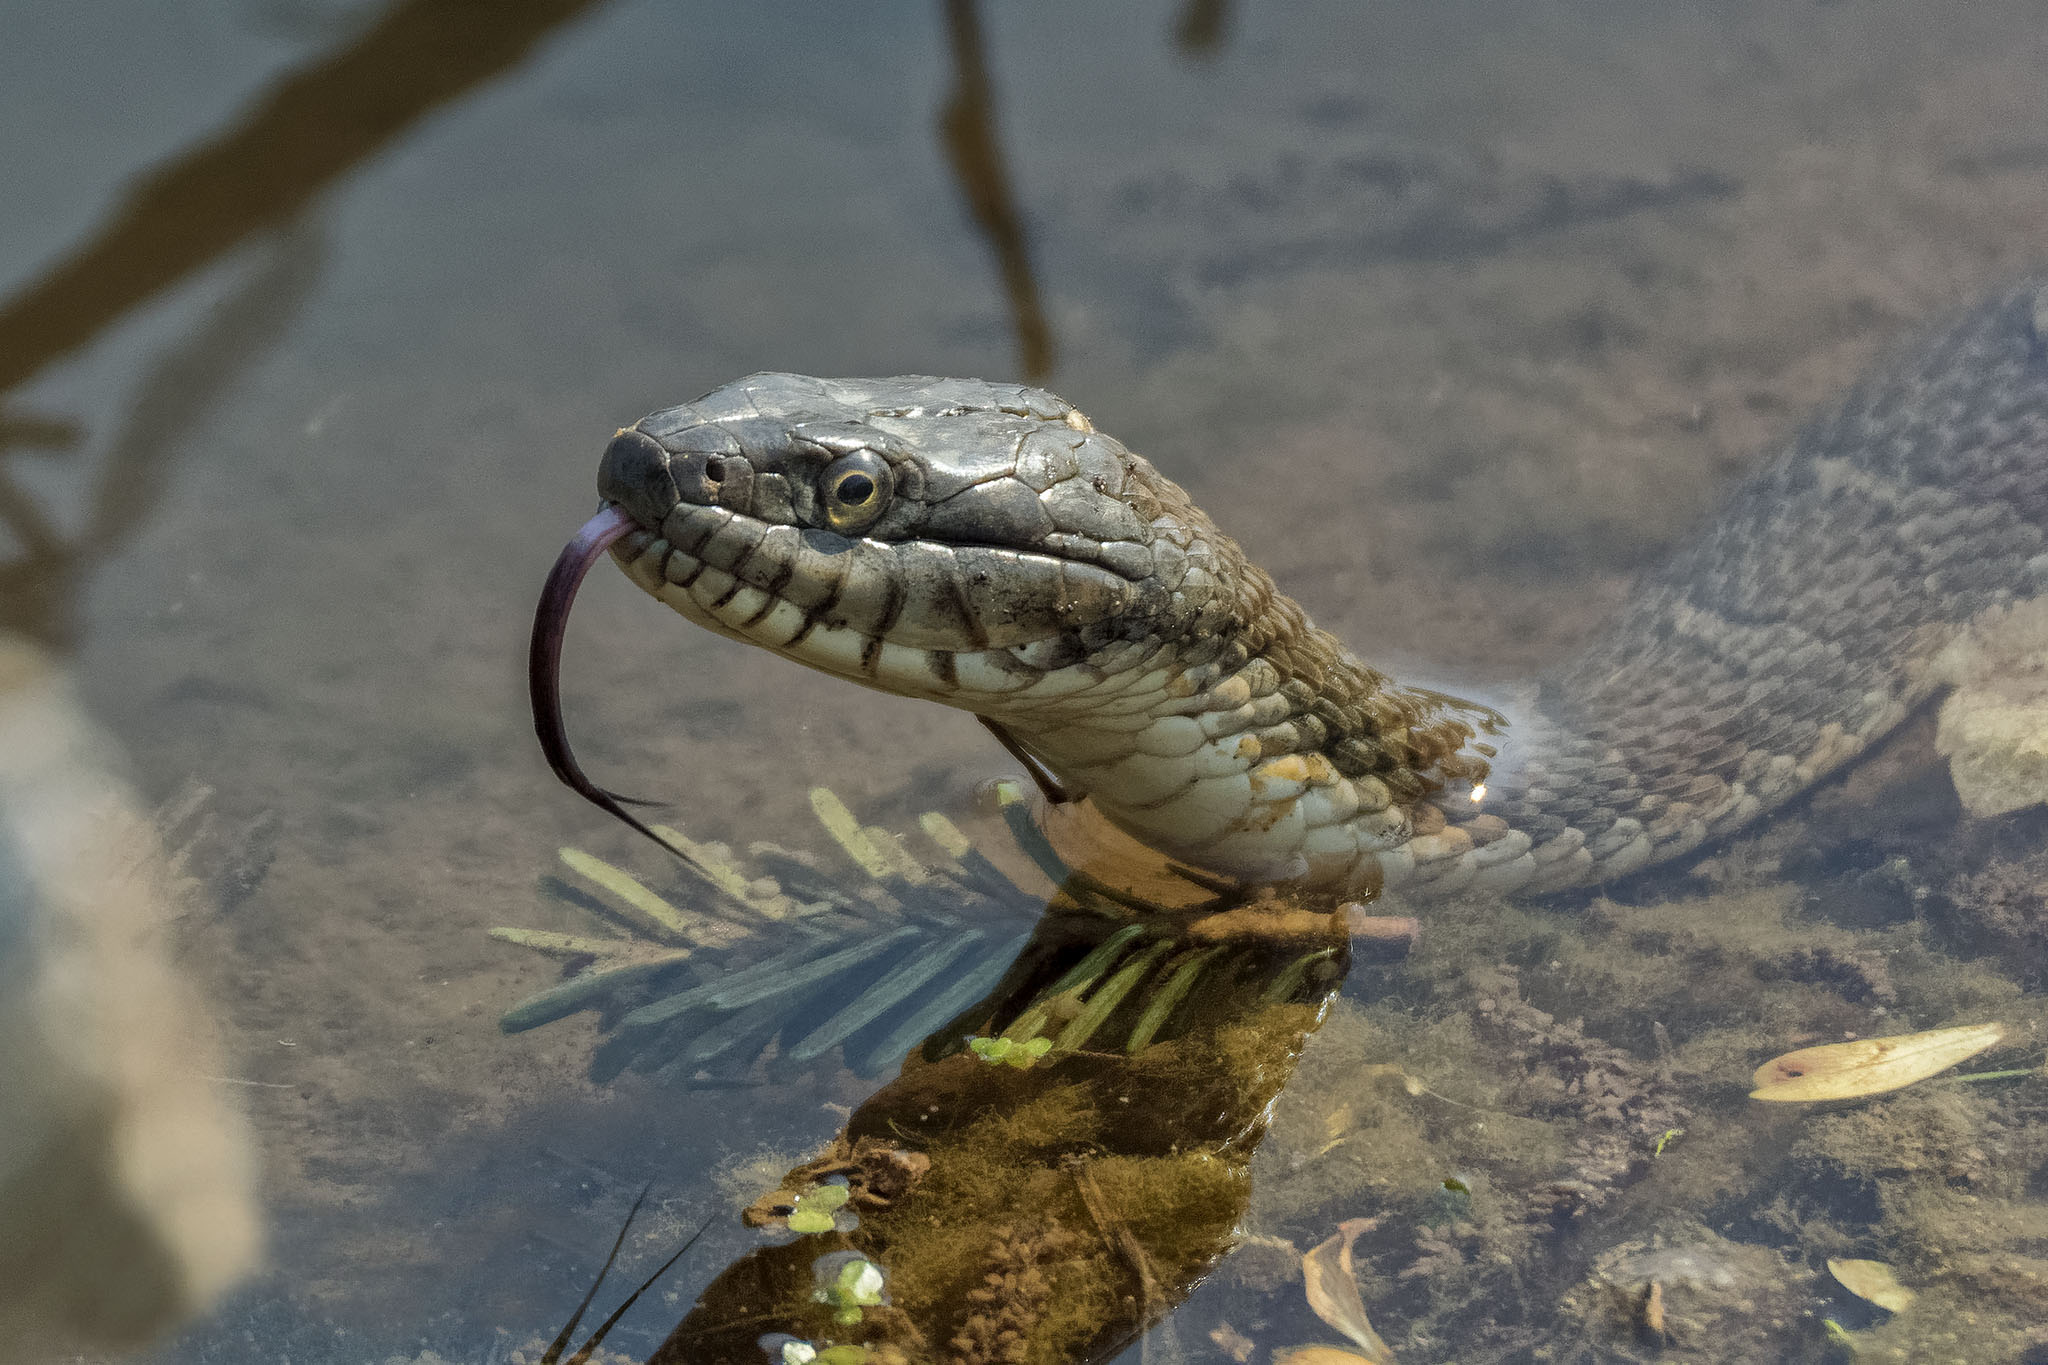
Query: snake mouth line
[771, 620]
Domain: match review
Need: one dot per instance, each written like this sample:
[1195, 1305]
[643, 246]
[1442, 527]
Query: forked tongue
[544, 666]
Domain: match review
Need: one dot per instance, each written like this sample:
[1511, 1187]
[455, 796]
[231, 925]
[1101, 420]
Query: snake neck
[1258, 745]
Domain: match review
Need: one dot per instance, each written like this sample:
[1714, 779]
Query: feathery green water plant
[790, 956]
[869, 961]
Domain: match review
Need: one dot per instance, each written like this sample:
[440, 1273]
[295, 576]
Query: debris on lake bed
[1872, 1281]
[1507, 1105]
[1331, 1285]
[1693, 1294]
[1869, 1066]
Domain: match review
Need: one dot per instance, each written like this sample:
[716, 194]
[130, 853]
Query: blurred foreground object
[125, 1183]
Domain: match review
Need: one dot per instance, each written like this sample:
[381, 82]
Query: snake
[984, 546]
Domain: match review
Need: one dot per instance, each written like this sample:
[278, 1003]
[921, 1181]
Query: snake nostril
[714, 470]
[635, 474]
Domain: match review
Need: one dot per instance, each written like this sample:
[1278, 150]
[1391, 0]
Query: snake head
[946, 538]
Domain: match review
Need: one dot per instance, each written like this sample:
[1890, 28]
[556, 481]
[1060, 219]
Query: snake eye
[854, 490]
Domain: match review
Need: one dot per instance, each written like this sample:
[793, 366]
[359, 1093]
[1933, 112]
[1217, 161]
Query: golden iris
[854, 490]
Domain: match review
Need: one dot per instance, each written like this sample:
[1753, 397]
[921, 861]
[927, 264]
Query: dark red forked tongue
[544, 665]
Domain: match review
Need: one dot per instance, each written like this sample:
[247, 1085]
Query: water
[1456, 315]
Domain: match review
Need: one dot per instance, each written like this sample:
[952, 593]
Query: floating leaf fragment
[896, 852]
[826, 1196]
[1009, 1051]
[810, 1220]
[848, 1282]
[1869, 1066]
[1874, 1282]
[792, 1351]
[1167, 998]
[1108, 996]
[816, 1206]
[1078, 980]
[717, 868]
[1332, 1289]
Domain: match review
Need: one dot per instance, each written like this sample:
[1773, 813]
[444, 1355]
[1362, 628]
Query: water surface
[1455, 314]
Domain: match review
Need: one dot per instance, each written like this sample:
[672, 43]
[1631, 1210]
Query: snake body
[982, 545]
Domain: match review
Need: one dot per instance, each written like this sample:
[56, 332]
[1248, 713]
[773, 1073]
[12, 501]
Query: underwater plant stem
[1290, 978]
[1078, 978]
[1168, 996]
[1104, 1002]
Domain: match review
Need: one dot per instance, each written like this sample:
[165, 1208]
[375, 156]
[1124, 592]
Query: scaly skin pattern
[982, 545]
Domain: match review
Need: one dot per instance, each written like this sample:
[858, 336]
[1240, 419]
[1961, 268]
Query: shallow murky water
[314, 319]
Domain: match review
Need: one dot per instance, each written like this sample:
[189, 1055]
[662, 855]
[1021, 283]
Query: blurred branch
[39, 590]
[315, 125]
[1199, 31]
[967, 128]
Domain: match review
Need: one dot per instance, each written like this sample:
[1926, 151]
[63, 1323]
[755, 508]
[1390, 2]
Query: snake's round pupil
[856, 489]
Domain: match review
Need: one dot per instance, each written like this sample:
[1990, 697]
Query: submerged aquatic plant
[872, 960]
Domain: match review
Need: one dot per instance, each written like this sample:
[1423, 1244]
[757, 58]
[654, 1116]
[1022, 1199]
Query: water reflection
[130, 1206]
[1578, 1043]
[1529, 1132]
[1200, 29]
[1065, 1150]
[1069, 1202]
[967, 131]
[313, 128]
[253, 181]
[41, 588]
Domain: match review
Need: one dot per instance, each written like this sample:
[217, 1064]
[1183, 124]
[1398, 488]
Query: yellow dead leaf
[1332, 1288]
[1320, 1355]
[1869, 1066]
[1872, 1281]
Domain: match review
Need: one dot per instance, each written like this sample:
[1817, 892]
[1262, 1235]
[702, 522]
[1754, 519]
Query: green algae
[1056, 1208]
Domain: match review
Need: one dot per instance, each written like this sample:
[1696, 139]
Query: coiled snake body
[983, 546]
